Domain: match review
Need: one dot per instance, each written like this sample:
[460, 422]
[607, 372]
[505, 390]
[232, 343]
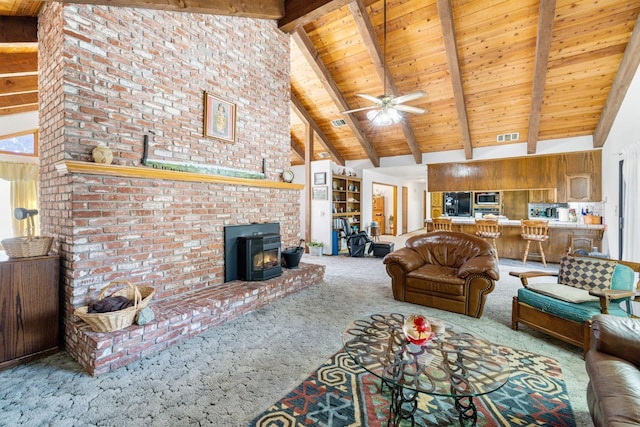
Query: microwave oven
[490, 198]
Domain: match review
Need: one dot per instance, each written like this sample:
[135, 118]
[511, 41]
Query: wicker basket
[146, 293]
[114, 320]
[23, 247]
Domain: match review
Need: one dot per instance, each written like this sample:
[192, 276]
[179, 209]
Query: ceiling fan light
[384, 116]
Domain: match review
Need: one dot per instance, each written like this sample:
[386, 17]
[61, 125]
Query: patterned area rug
[341, 394]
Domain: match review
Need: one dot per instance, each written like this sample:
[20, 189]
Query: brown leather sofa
[448, 270]
[613, 366]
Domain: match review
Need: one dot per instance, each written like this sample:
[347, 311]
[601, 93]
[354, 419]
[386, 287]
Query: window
[22, 144]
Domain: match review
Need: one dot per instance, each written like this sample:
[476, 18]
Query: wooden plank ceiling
[545, 69]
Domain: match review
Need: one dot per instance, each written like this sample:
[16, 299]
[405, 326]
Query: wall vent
[338, 123]
[324, 155]
[507, 137]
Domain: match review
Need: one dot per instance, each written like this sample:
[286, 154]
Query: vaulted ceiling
[540, 69]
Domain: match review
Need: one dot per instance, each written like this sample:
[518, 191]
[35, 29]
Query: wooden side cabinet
[29, 314]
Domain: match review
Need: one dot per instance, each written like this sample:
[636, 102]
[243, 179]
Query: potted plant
[315, 248]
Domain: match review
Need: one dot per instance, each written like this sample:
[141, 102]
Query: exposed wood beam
[451, 47]
[297, 150]
[308, 158]
[543, 45]
[314, 60]
[18, 99]
[368, 34]
[306, 118]
[18, 29]
[16, 63]
[626, 71]
[19, 84]
[301, 12]
[262, 9]
[25, 108]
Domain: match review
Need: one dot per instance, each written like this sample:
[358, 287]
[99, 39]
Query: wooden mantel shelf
[89, 168]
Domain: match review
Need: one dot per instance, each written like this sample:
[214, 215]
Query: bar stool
[442, 224]
[489, 229]
[374, 231]
[534, 230]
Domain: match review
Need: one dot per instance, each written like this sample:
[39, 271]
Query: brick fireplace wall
[113, 75]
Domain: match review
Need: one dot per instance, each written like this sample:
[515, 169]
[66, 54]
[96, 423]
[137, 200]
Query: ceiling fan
[386, 108]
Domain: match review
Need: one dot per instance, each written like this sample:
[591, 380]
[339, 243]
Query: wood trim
[451, 47]
[260, 9]
[320, 69]
[18, 29]
[301, 12]
[619, 88]
[89, 168]
[543, 46]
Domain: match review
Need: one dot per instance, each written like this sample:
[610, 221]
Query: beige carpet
[234, 372]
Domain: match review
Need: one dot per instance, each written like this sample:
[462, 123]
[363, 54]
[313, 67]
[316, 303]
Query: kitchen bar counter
[511, 245]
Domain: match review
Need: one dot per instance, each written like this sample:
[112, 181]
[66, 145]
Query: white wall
[624, 132]
[415, 221]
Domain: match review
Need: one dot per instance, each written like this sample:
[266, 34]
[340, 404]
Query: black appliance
[458, 203]
[259, 257]
[488, 198]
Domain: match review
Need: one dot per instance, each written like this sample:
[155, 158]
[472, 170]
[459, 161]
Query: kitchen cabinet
[543, 195]
[378, 213]
[437, 204]
[30, 308]
[345, 196]
[578, 187]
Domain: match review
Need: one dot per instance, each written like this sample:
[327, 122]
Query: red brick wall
[114, 74]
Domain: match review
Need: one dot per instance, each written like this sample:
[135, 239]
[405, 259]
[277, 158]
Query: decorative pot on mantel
[102, 154]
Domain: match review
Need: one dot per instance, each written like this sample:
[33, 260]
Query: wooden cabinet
[578, 187]
[378, 213]
[29, 317]
[543, 195]
[437, 204]
[345, 196]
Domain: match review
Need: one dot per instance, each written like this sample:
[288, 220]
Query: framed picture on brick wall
[219, 118]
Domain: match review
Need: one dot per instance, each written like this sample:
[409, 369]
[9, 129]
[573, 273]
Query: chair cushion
[566, 310]
[586, 273]
[623, 278]
[563, 292]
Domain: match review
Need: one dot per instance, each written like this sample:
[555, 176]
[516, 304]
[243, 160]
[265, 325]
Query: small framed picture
[219, 118]
[320, 193]
[320, 178]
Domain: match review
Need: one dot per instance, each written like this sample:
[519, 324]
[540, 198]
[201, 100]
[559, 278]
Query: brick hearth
[181, 318]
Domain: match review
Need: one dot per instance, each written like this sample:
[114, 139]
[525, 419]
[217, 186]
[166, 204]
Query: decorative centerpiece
[417, 329]
[102, 154]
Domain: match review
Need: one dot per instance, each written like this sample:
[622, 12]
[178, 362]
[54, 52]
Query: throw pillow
[586, 273]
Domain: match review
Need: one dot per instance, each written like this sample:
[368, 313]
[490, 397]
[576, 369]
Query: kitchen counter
[511, 245]
[516, 223]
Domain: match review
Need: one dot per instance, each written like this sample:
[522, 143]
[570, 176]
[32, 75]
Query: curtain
[23, 194]
[631, 230]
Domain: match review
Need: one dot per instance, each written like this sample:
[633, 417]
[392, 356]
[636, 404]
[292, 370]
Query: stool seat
[489, 229]
[375, 233]
[534, 230]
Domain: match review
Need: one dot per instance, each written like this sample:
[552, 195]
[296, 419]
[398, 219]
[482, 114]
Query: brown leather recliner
[613, 365]
[444, 269]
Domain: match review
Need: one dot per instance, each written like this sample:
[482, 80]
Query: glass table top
[454, 363]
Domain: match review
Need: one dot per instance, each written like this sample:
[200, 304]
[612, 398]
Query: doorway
[385, 207]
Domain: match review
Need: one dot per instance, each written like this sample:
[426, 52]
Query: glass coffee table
[455, 363]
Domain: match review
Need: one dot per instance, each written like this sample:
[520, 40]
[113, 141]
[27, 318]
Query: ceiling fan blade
[408, 97]
[371, 107]
[410, 109]
[371, 98]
